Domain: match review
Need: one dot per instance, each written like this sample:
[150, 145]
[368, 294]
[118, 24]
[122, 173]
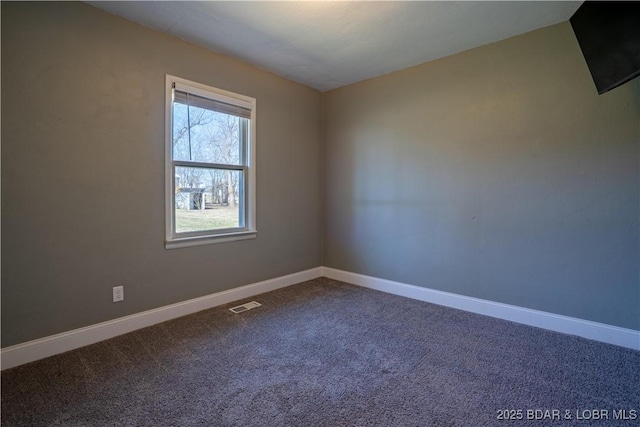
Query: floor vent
[245, 307]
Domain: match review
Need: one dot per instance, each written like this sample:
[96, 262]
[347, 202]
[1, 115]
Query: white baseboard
[569, 325]
[44, 347]
[55, 344]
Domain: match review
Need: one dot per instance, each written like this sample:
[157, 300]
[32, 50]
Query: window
[210, 168]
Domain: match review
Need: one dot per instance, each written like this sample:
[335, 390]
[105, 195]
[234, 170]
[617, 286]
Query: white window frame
[249, 231]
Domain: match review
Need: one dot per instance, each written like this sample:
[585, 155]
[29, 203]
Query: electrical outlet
[118, 293]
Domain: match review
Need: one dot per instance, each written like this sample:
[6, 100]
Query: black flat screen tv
[608, 33]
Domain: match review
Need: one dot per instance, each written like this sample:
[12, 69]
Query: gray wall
[497, 173]
[83, 171]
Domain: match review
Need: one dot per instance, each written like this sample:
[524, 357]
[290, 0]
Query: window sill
[184, 242]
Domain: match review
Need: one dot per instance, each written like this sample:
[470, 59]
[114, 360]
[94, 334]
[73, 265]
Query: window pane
[207, 199]
[202, 135]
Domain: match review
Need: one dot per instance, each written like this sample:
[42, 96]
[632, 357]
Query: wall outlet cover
[118, 293]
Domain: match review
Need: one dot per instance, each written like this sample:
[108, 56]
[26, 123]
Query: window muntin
[210, 167]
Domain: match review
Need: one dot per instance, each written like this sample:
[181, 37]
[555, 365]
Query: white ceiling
[331, 44]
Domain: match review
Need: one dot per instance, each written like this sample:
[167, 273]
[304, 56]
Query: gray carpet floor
[326, 353]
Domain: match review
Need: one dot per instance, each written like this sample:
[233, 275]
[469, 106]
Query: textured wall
[497, 173]
[83, 171]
